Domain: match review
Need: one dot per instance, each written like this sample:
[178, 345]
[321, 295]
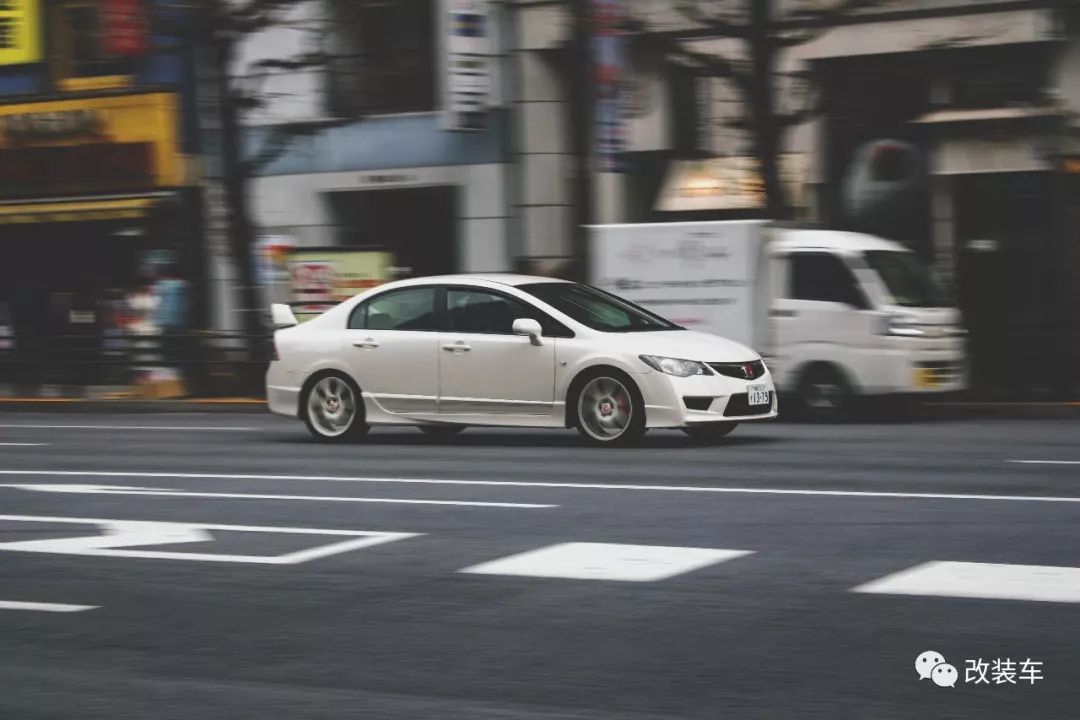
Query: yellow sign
[136, 137]
[20, 31]
[320, 279]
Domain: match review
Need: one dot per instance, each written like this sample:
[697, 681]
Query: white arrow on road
[117, 537]
[124, 534]
[166, 492]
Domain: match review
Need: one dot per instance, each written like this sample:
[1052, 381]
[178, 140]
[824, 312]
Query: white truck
[835, 314]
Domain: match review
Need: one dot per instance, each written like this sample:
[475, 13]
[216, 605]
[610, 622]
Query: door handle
[368, 344]
[782, 313]
[459, 346]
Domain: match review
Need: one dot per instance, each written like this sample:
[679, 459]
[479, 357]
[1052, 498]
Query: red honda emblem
[748, 370]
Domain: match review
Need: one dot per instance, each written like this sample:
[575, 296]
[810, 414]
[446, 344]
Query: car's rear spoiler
[282, 316]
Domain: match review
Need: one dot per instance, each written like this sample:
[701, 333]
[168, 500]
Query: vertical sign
[469, 36]
[20, 31]
[607, 42]
[123, 27]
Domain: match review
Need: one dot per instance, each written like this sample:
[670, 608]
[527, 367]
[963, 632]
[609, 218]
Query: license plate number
[758, 394]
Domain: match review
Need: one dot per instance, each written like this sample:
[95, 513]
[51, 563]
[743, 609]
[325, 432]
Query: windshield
[906, 279]
[597, 309]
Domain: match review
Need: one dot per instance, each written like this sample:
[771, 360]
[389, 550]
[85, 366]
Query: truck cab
[852, 314]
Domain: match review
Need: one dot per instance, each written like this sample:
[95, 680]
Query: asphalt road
[740, 605]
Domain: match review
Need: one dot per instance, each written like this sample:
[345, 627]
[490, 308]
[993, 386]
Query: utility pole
[579, 74]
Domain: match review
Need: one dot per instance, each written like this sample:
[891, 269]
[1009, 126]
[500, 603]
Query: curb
[190, 405]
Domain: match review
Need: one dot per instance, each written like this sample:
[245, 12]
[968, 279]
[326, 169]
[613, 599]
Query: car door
[392, 348]
[484, 368]
[820, 314]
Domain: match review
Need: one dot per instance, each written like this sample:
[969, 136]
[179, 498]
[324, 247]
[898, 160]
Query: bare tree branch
[718, 25]
[280, 138]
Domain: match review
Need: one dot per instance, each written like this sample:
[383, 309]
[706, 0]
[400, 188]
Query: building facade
[96, 179]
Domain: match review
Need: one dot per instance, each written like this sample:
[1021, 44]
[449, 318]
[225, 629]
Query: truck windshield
[906, 279]
[597, 309]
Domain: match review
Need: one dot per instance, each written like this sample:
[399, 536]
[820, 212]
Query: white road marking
[127, 533]
[182, 428]
[163, 492]
[537, 484]
[1046, 462]
[1043, 583]
[605, 561]
[44, 607]
[15, 444]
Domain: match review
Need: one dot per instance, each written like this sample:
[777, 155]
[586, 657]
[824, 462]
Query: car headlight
[675, 366]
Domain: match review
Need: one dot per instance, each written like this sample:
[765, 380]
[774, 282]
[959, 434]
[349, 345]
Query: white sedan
[442, 353]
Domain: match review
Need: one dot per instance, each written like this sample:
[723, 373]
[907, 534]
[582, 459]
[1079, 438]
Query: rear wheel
[710, 432]
[334, 410]
[825, 393]
[441, 431]
[609, 408]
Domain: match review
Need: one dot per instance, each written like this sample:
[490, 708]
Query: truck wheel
[825, 393]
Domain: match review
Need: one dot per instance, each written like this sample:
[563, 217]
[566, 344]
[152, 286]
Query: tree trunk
[767, 126]
[235, 181]
[579, 71]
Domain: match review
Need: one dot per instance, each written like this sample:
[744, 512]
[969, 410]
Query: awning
[986, 115]
[75, 211]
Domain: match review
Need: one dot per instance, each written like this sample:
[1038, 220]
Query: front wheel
[825, 393]
[610, 410]
[334, 410]
[710, 432]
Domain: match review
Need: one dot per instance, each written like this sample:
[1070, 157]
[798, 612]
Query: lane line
[1046, 462]
[119, 490]
[181, 428]
[21, 444]
[991, 581]
[559, 485]
[44, 607]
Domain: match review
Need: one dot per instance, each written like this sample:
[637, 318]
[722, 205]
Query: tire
[825, 393]
[441, 431]
[608, 408]
[710, 432]
[333, 409]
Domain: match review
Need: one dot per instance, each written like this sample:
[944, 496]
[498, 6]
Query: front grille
[742, 371]
[940, 372]
[739, 406]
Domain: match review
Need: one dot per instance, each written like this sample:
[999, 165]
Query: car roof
[833, 240]
[480, 278]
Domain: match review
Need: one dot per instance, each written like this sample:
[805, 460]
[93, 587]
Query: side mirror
[527, 326]
[281, 316]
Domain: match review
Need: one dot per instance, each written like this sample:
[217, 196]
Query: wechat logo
[932, 665]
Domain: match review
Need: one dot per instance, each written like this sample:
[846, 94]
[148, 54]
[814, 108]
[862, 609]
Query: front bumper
[720, 399]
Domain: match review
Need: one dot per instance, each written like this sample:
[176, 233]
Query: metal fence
[207, 364]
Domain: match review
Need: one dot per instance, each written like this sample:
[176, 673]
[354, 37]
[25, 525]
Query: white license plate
[758, 394]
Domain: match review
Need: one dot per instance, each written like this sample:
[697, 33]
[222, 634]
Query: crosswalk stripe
[1041, 583]
[605, 561]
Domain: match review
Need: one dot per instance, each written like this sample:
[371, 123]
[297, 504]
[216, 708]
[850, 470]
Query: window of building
[409, 309]
[383, 57]
[79, 58]
[825, 278]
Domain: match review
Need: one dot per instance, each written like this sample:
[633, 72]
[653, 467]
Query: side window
[480, 311]
[823, 277]
[408, 309]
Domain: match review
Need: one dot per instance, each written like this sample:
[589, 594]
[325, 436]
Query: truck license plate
[758, 394]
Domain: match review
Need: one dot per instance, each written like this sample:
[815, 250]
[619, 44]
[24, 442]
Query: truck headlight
[903, 325]
[675, 366]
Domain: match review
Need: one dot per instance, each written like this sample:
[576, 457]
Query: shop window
[384, 57]
[79, 58]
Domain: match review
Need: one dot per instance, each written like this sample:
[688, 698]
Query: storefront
[92, 190]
